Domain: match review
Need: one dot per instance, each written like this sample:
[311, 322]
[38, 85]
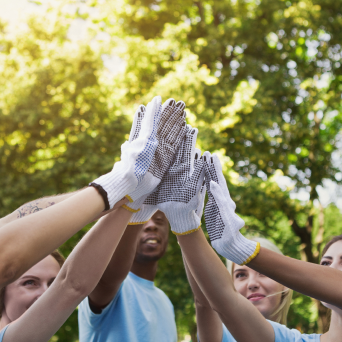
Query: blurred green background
[262, 80]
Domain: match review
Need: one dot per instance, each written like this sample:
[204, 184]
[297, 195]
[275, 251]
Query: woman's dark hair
[331, 242]
[56, 254]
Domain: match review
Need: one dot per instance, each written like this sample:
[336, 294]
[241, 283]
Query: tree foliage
[261, 80]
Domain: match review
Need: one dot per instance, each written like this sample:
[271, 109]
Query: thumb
[225, 207]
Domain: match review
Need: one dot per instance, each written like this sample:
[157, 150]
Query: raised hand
[223, 224]
[179, 194]
[136, 156]
[171, 131]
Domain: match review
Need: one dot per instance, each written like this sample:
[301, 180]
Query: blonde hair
[281, 312]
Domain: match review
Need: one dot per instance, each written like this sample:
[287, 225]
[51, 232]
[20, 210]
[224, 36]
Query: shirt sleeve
[227, 336]
[284, 334]
[93, 319]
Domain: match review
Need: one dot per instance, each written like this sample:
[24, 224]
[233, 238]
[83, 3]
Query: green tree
[261, 80]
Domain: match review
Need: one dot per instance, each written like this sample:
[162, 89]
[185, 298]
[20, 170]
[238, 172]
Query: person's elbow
[202, 304]
[9, 272]
[74, 288]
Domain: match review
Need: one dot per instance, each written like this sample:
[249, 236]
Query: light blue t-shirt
[2, 332]
[282, 334]
[140, 312]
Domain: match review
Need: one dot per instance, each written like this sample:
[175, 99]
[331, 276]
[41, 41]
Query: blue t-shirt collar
[141, 281]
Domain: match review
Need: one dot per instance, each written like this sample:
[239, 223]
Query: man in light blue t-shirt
[126, 306]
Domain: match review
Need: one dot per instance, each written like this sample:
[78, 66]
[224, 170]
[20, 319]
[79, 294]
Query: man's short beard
[143, 258]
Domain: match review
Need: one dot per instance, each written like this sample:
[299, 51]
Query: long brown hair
[331, 242]
[56, 254]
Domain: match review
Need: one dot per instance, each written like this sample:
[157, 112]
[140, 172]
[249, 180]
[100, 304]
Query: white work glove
[179, 194]
[223, 224]
[171, 131]
[136, 156]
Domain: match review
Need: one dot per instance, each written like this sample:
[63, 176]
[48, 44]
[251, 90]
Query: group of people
[161, 180]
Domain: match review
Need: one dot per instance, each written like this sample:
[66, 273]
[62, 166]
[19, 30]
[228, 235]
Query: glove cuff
[187, 232]
[239, 249]
[143, 215]
[183, 222]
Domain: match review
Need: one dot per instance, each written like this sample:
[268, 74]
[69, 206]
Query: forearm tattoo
[32, 207]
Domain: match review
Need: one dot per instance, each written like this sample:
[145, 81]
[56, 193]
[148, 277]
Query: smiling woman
[272, 299]
[18, 296]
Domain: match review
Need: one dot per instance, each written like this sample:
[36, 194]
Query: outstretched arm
[209, 325]
[26, 241]
[301, 276]
[33, 207]
[117, 269]
[241, 317]
[77, 278]
[223, 226]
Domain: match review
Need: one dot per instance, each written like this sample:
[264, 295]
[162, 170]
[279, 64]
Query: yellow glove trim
[130, 209]
[135, 223]
[129, 198]
[188, 232]
[256, 252]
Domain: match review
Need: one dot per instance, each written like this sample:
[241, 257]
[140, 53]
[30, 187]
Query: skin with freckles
[22, 293]
[255, 287]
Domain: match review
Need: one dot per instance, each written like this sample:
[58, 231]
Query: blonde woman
[272, 299]
[244, 321]
[276, 303]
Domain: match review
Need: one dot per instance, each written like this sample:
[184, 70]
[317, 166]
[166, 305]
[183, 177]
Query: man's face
[153, 238]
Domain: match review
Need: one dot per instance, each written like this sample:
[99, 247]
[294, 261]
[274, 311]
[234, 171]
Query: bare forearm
[117, 269]
[26, 241]
[301, 276]
[209, 325]
[34, 206]
[92, 255]
[78, 276]
[241, 317]
[206, 266]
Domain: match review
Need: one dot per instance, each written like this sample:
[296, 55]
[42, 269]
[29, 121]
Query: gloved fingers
[197, 178]
[190, 147]
[149, 124]
[216, 165]
[196, 159]
[210, 173]
[177, 131]
[169, 125]
[180, 136]
[136, 125]
[201, 195]
[178, 159]
[167, 110]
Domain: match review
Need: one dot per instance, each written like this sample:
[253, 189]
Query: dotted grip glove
[223, 224]
[136, 156]
[170, 134]
[179, 194]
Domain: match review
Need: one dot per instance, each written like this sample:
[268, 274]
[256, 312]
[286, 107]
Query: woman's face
[22, 293]
[333, 259]
[256, 287]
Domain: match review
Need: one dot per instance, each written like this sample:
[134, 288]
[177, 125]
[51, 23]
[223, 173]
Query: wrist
[183, 222]
[238, 249]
